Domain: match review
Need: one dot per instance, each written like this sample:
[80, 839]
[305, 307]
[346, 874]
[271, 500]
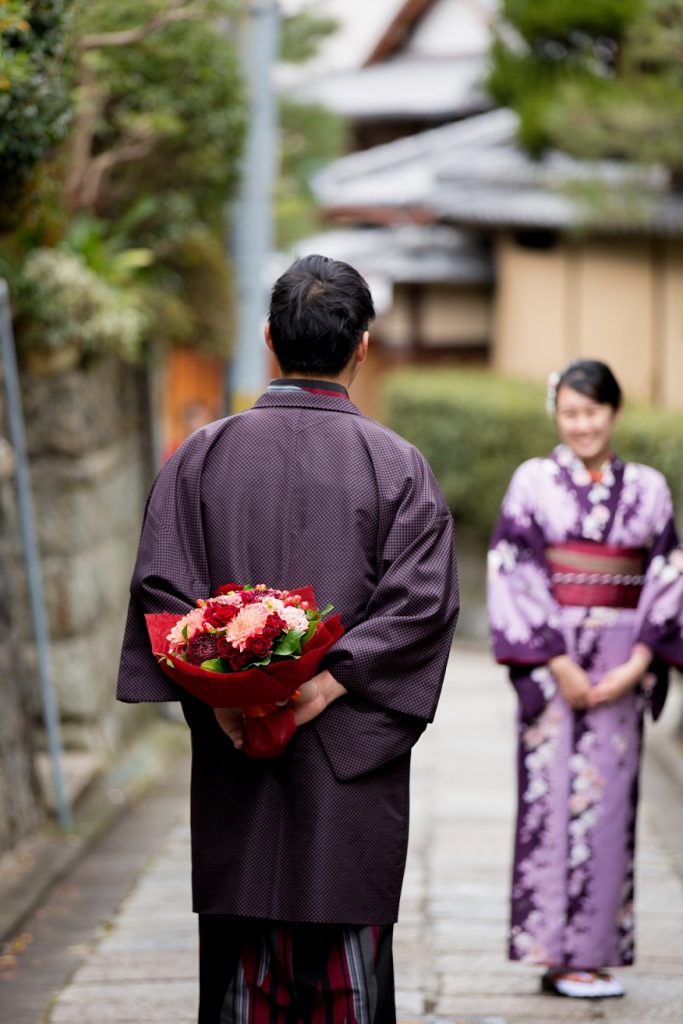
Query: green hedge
[475, 428]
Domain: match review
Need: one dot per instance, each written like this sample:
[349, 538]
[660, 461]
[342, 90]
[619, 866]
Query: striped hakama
[263, 972]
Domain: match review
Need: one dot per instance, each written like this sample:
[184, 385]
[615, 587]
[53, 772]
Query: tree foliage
[596, 78]
[34, 87]
[132, 204]
[158, 130]
[310, 137]
[160, 104]
[302, 35]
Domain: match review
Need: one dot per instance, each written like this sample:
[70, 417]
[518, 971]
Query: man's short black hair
[319, 310]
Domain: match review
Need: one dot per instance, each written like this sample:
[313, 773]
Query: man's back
[302, 489]
[307, 490]
[298, 859]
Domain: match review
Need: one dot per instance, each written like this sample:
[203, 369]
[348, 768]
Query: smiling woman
[586, 609]
[587, 406]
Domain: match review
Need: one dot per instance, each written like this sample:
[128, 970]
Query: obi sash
[595, 575]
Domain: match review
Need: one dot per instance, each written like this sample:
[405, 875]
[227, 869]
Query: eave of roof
[402, 88]
[406, 254]
[473, 173]
[398, 30]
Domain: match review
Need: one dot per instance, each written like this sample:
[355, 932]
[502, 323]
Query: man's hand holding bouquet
[252, 653]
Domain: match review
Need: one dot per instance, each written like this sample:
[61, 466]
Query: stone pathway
[450, 942]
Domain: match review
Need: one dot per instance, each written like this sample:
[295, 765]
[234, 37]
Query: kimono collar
[580, 475]
[598, 493]
[297, 398]
[315, 387]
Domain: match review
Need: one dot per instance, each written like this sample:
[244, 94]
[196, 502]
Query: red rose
[227, 587]
[259, 645]
[274, 625]
[239, 660]
[225, 613]
[225, 648]
[212, 619]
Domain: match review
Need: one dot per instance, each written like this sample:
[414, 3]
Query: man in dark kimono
[298, 860]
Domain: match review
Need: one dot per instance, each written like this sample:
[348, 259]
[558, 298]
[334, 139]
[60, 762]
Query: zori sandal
[582, 984]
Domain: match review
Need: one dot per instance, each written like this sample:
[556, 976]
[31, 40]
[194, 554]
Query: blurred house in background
[432, 290]
[400, 68]
[395, 73]
[586, 259]
[474, 250]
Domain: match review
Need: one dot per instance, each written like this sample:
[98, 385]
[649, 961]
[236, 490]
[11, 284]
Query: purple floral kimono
[572, 886]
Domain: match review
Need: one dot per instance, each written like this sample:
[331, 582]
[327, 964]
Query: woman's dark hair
[319, 310]
[593, 379]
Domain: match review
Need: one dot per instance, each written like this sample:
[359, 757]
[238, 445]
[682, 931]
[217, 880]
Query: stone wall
[90, 469]
[20, 806]
[89, 472]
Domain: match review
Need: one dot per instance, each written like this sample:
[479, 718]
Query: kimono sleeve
[660, 608]
[170, 571]
[393, 662]
[523, 614]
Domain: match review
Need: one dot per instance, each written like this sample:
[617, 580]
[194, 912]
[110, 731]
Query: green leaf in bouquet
[215, 665]
[310, 631]
[290, 644]
[185, 633]
[317, 614]
[314, 620]
[259, 664]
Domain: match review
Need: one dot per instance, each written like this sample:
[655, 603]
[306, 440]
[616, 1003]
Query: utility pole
[252, 235]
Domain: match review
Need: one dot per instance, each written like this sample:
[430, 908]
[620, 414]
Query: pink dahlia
[194, 621]
[247, 623]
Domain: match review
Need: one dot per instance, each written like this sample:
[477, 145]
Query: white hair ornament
[551, 393]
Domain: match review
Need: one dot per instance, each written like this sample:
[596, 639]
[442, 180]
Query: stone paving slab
[151, 1010]
[154, 966]
[548, 1009]
[451, 940]
[458, 1020]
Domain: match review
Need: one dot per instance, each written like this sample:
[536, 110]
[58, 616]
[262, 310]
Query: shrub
[63, 305]
[475, 428]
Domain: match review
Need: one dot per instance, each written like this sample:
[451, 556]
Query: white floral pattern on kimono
[572, 892]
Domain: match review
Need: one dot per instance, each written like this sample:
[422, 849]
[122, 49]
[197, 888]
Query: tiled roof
[405, 253]
[402, 88]
[361, 24]
[473, 173]
[427, 60]
[404, 172]
[454, 27]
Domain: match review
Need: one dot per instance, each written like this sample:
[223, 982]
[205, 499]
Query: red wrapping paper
[268, 728]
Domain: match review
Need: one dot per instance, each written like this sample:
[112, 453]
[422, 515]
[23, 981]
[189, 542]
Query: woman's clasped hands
[575, 685]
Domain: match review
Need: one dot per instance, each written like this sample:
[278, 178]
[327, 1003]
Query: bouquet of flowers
[247, 647]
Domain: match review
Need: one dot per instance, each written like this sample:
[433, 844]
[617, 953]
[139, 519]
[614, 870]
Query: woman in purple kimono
[586, 609]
